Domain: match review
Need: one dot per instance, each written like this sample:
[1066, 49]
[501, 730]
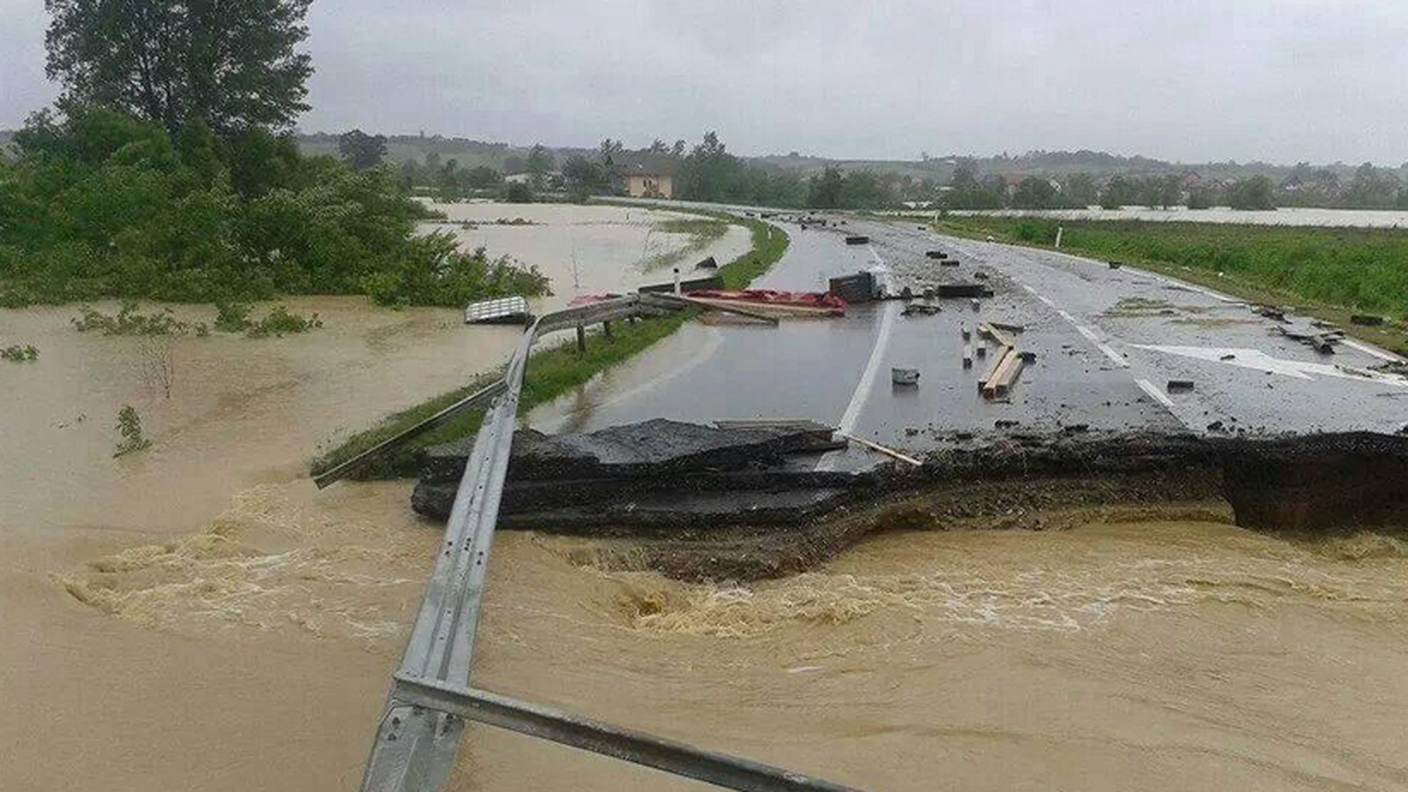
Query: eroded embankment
[746, 512]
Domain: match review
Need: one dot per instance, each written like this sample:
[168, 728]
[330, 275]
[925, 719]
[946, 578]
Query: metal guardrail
[431, 700]
[474, 401]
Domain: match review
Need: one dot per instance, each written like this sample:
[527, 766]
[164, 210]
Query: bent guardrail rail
[431, 698]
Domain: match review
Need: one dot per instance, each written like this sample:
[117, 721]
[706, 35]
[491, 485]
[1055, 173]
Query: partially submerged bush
[129, 321]
[437, 272]
[232, 317]
[280, 322]
[129, 425]
[19, 354]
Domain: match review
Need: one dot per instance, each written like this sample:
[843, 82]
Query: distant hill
[468, 153]
[508, 157]
[471, 153]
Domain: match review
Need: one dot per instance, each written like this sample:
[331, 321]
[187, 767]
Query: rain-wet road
[1106, 342]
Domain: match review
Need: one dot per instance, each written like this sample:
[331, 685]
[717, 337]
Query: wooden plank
[1005, 376]
[889, 452]
[993, 386]
[986, 330]
[997, 361]
[710, 305]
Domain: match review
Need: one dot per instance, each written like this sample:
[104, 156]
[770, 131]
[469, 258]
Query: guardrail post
[581, 339]
[606, 329]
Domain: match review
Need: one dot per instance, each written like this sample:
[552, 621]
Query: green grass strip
[1329, 273]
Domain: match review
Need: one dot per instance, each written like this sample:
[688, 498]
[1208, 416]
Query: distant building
[551, 180]
[646, 175]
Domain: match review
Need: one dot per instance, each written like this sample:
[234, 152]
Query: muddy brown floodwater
[196, 616]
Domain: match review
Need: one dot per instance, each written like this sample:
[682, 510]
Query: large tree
[362, 151]
[232, 64]
[540, 163]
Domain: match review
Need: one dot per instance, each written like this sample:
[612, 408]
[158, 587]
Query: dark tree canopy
[231, 64]
[362, 151]
[540, 162]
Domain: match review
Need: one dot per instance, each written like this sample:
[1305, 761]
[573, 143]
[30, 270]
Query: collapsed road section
[712, 503]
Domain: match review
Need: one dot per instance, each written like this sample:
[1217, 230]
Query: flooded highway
[197, 616]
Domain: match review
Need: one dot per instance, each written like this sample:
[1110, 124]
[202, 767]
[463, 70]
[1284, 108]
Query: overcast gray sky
[1191, 80]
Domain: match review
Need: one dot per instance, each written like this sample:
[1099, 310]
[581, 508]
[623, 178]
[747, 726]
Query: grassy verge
[1329, 273]
[551, 372]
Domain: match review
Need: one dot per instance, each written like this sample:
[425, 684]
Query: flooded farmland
[197, 616]
[593, 249]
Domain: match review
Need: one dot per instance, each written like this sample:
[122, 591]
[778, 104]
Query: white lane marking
[1115, 357]
[872, 369]
[1046, 300]
[1155, 392]
[1260, 361]
[1368, 350]
[1091, 336]
[877, 356]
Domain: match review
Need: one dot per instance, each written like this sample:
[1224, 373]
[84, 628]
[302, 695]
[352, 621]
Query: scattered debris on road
[963, 290]
[773, 303]
[920, 309]
[936, 254]
[1001, 335]
[904, 376]
[858, 288]
[1179, 386]
[889, 452]
[857, 239]
[1323, 342]
[1008, 361]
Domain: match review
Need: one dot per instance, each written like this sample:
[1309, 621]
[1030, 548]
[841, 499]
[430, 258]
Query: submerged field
[1338, 270]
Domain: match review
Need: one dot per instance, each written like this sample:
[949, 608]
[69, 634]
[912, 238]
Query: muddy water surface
[590, 249]
[197, 616]
[1154, 656]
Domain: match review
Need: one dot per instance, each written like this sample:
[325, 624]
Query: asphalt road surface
[1106, 343]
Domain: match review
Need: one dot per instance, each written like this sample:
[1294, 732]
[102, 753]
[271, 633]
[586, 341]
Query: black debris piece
[964, 290]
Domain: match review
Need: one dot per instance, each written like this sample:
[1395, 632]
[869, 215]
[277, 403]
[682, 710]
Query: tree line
[167, 169]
